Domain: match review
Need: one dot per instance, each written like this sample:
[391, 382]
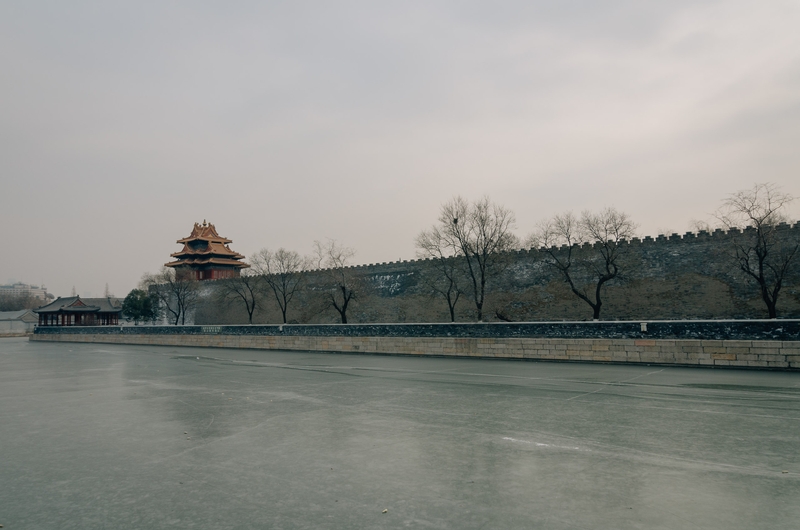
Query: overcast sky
[123, 123]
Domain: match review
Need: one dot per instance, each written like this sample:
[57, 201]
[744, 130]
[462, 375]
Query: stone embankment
[767, 344]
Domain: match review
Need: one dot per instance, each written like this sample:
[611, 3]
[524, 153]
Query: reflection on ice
[538, 444]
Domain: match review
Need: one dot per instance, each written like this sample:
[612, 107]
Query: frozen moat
[106, 436]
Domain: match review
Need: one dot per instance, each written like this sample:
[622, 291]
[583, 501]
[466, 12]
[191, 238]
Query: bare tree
[283, 270]
[443, 271]
[245, 289]
[586, 271]
[759, 250]
[335, 259]
[699, 225]
[479, 235]
[177, 293]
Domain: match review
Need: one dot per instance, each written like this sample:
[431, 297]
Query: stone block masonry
[693, 276]
[622, 344]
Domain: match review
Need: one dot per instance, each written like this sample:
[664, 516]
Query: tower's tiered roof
[205, 247]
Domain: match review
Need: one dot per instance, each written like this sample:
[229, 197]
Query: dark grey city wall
[753, 330]
[693, 276]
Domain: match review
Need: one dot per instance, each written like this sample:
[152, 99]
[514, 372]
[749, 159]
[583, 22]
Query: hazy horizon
[283, 123]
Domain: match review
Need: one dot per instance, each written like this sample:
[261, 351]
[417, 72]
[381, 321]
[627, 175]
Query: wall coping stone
[760, 330]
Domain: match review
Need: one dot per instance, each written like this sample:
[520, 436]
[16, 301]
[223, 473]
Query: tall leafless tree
[177, 293]
[760, 250]
[245, 289]
[442, 272]
[283, 271]
[479, 235]
[585, 270]
[335, 260]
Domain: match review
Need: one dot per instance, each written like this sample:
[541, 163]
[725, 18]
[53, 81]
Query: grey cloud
[285, 122]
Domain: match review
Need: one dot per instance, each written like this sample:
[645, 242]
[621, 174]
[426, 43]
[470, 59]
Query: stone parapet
[775, 329]
[753, 354]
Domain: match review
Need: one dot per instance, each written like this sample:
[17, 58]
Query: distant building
[206, 255]
[77, 311]
[24, 289]
[17, 322]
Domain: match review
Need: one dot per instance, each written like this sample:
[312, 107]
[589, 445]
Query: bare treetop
[244, 288]
[609, 227]
[177, 293]
[343, 286]
[585, 274]
[478, 233]
[332, 255]
[482, 227]
[762, 254]
[560, 230]
[283, 271]
[762, 205]
[443, 272]
[279, 262]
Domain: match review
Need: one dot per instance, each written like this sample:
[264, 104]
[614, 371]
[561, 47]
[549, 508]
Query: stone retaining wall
[774, 330]
[756, 354]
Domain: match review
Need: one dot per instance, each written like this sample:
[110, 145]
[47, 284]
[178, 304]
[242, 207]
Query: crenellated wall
[693, 276]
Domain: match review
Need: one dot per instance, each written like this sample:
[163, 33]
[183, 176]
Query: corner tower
[206, 255]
